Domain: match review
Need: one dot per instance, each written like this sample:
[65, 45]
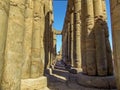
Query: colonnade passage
[28, 59]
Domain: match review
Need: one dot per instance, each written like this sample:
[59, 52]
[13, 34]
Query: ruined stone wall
[115, 18]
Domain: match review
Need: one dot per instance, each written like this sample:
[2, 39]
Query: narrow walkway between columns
[85, 58]
[60, 79]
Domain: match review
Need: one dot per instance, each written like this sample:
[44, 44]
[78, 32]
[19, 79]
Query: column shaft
[42, 36]
[101, 59]
[83, 36]
[36, 41]
[14, 46]
[4, 12]
[72, 39]
[27, 39]
[90, 39]
[68, 44]
[77, 31]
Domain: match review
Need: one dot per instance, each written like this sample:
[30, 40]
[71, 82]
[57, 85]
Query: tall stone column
[42, 35]
[4, 14]
[51, 30]
[90, 39]
[101, 58]
[13, 58]
[66, 47]
[46, 37]
[83, 36]
[107, 43]
[68, 43]
[77, 31]
[72, 37]
[115, 18]
[27, 39]
[54, 44]
[36, 41]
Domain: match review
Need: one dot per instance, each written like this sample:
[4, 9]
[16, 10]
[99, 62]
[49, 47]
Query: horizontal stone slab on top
[105, 82]
[34, 84]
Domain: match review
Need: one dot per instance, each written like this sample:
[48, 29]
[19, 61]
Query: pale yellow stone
[37, 63]
[4, 12]
[34, 84]
[27, 39]
[13, 58]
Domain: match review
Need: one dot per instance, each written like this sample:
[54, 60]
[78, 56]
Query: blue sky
[59, 7]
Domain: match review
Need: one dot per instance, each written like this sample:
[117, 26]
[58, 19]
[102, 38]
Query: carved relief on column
[14, 46]
[77, 31]
[42, 35]
[36, 41]
[27, 39]
[101, 58]
[90, 39]
[4, 14]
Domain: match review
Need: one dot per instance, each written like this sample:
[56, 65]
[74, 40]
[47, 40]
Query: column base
[48, 71]
[107, 82]
[75, 70]
[34, 84]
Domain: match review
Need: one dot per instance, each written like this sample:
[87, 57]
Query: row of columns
[24, 28]
[115, 18]
[87, 38]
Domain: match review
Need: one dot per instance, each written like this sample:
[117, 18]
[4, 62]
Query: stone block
[34, 84]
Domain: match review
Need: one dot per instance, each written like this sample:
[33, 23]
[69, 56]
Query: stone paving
[60, 79]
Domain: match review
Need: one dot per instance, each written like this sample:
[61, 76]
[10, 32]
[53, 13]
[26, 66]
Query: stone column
[46, 37]
[14, 46]
[115, 18]
[51, 31]
[4, 12]
[83, 36]
[54, 44]
[27, 39]
[72, 35]
[36, 41]
[66, 47]
[77, 31]
[42, 35]
[90, 39]
[107, 43]
[68, 43]
[101, 58]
